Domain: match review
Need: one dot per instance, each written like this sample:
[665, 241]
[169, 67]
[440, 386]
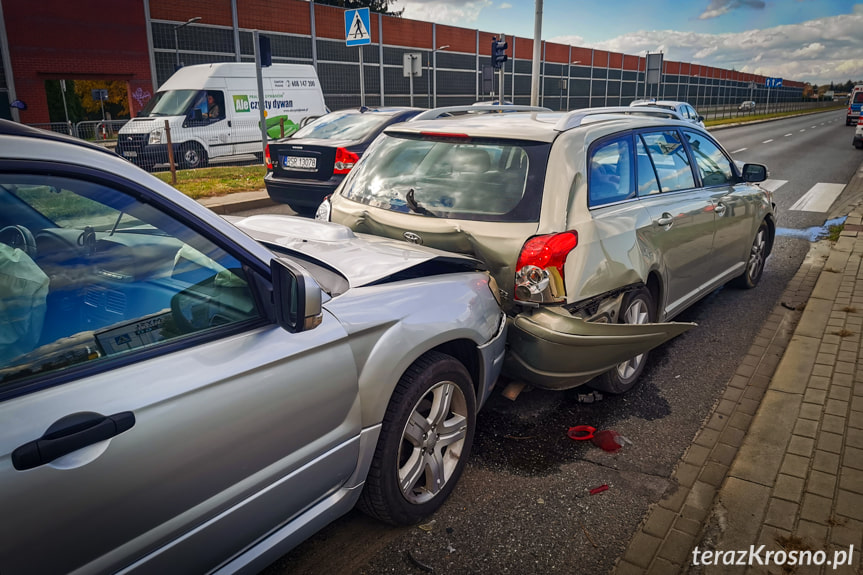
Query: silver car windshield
[449, 177]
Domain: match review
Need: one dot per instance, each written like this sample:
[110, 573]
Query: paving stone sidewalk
[780, 461]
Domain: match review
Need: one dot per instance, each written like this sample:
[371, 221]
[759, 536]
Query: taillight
[539, 271]
[267, 157]
[345, 160]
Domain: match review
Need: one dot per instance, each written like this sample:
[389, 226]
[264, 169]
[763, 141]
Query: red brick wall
[288, 16]
[211, 11]
[54, 40]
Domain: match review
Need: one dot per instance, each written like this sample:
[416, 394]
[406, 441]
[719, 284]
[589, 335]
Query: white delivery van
[212, 110]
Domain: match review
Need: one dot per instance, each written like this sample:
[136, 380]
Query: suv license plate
[300, 163]
[130, 154]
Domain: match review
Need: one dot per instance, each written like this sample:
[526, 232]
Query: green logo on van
[241, 104]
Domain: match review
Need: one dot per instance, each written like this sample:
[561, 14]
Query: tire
[858, 144]
[413, 471]
[638, 307]
[192, 156]
[755, 263]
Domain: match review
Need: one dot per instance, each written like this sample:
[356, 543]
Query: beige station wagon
[599, 226]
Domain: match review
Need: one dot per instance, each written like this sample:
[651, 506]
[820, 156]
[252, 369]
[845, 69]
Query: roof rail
[576, 117]
[447, 111]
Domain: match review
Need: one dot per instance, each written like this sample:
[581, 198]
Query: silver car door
[736, 205]
[158, 415]
[683, 220]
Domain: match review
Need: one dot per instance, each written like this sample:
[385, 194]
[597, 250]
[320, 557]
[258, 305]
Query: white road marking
[786, 135]
[740, 150]
[813, 127]
[819, 198]
[767, 141]
[803, 130]
[773, 185]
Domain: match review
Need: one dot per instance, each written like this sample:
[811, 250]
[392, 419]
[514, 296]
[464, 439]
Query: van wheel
[638, 307]
[192, 156]
[425, 441]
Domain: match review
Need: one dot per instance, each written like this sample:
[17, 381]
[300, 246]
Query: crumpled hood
[361, 258]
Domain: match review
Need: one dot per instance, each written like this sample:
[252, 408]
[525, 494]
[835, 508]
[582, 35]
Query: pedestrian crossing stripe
[773, 185]
[357, 24]
[819, 198]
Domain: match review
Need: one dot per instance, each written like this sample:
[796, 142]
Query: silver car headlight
[155, 137]
[325, 210]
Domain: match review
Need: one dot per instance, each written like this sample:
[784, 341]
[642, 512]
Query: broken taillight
[345, 160]
[539, 272]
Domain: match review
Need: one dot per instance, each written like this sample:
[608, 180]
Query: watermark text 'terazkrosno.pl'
[760, 556]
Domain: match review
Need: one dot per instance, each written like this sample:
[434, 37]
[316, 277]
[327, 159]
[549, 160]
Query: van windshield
[171, 103]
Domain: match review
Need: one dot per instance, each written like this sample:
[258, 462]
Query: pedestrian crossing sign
[357, 27]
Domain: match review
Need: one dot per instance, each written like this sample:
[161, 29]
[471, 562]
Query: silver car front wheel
[756, 258]
[425, 441]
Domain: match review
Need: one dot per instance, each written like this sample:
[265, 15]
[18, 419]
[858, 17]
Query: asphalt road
[523, 504]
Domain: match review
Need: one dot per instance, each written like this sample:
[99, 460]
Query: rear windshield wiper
[415, 206]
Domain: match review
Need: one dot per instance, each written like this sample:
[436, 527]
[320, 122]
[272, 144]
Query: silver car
[176, 396]
[587, 220]
[685, 109]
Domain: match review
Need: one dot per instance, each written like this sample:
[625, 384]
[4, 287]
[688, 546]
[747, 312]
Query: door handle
[720, 209]
[666, 220]
[70, 434]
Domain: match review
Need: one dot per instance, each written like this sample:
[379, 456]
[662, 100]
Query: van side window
[610, 177]
[214, 105]
[670, 160]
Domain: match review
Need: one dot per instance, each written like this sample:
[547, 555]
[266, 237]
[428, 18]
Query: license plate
[300, 163]
[130, 154]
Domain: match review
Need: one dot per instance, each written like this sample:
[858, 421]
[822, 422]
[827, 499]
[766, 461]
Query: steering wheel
[19, 237]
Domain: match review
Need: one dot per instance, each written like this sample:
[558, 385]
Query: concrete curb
[237, 202]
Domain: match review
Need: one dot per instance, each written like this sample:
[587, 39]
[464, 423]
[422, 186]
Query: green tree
[382, 6]
[55, 102]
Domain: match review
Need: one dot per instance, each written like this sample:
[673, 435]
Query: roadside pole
[358, 33]
[261, 111]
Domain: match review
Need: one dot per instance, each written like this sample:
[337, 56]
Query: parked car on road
[303, 169]
[176, 396]
[683, 108]
[746, 106]
[587, 220]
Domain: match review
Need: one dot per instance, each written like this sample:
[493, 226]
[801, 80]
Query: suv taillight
[345, 160]
[539, 271]
[267, 157]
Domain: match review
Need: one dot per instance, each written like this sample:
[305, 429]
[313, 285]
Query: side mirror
[297, 297]
[754, 173]
[700, 118]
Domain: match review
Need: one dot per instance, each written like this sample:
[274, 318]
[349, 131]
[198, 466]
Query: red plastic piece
[581, 432]
[599, 489]
[607, 440]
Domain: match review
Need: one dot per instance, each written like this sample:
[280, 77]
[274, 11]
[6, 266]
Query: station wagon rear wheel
[425, 441]
[638, 307]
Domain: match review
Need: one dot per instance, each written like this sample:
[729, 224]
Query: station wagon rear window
[461, 178]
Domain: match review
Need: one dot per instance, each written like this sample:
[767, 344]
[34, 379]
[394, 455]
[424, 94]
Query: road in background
[523, 504]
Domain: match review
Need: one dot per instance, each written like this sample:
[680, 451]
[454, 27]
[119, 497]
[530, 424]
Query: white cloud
[505, 6]
[453, 12]
[819, 51]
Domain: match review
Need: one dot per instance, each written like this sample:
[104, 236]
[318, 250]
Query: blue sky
[808, 40]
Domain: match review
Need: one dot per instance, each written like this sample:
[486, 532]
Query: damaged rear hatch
[481, 196]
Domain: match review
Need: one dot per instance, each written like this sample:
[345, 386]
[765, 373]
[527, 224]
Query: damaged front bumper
[550, 349]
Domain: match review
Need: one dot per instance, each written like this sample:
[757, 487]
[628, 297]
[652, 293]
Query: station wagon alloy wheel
[636, 313]
[425, 441]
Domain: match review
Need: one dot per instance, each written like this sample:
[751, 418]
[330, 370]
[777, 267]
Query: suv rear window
[460, 178]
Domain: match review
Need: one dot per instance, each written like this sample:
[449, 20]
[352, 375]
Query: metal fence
[99, 130]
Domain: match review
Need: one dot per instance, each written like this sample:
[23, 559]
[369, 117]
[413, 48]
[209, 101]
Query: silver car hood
[362, 259]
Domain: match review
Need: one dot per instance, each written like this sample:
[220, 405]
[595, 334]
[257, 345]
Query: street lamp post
[429, 70]
[569, 80]
[176, 44]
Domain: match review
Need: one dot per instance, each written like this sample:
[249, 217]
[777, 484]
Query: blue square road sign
[358, 27]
